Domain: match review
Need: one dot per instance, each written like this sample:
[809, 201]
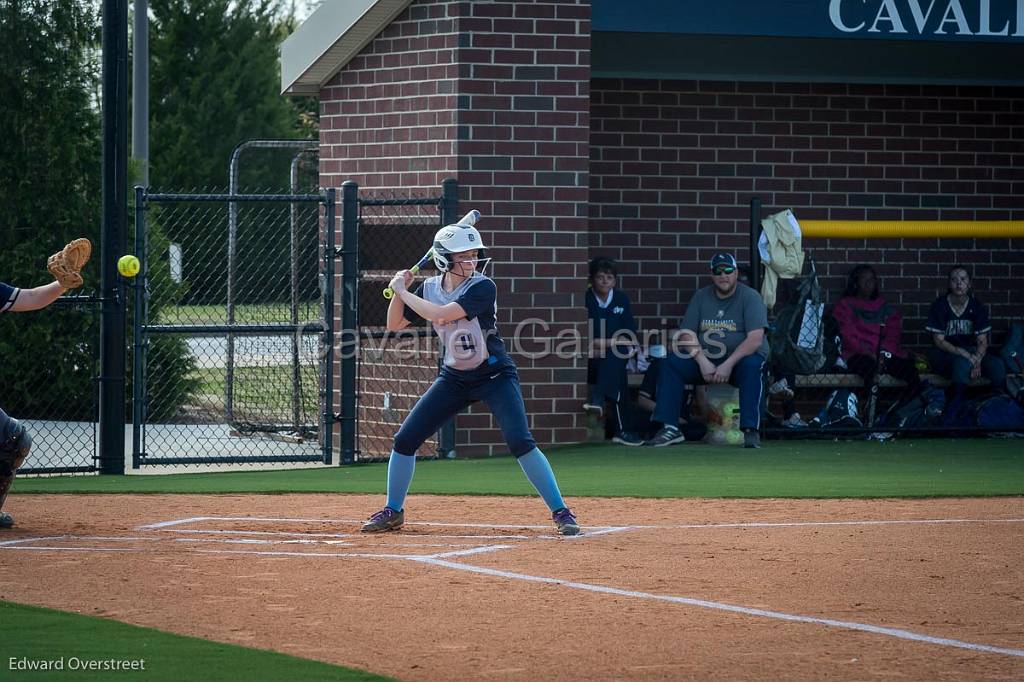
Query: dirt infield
[479, 588]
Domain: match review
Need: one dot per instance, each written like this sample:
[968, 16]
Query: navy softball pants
[451, 394]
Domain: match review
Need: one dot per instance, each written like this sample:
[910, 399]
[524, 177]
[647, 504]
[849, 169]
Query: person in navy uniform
[961, 332]
[613, 341]
[461, 305]
[15, 440]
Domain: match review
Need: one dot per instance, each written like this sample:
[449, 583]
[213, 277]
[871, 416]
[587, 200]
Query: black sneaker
[6, 520]
[627, 438]
[565, 522]
[384, 520]
[751, 439]
[668, 435]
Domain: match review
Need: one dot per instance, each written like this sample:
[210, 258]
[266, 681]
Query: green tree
[215, 82]
[49, 194]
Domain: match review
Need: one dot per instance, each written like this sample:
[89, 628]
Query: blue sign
[932, 20]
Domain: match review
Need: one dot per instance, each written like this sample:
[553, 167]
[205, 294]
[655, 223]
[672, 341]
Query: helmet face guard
[444, 262]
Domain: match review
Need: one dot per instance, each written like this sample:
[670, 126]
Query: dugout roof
[878, 41]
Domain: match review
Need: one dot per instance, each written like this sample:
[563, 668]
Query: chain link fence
[230, 349]
[394, 370]
[56, 393]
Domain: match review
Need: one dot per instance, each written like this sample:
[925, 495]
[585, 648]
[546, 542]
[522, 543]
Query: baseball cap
[726, 259]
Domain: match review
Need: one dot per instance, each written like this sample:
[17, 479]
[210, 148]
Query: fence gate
[384, 374]
[231, 347]
[57, 397]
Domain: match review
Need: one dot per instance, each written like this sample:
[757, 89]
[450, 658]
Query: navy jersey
[960, 330]
[605, 321]
[8, 295]
[472, 342]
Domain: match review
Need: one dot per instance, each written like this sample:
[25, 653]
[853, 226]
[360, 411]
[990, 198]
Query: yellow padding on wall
[912, 229]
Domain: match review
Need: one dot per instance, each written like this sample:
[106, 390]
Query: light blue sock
[535, 466]
[400, 470]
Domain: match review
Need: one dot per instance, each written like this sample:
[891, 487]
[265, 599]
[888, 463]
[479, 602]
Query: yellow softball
[128, 266]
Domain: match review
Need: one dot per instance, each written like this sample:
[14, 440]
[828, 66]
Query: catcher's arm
[37, 298]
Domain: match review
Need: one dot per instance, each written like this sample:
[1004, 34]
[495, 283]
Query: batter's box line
[54, 540]
[361, 555]
[588, 531]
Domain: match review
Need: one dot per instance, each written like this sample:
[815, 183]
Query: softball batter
[461, 305]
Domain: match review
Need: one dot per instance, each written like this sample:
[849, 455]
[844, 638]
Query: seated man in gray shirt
[722, 339]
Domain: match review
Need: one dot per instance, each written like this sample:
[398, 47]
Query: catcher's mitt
[66, 265]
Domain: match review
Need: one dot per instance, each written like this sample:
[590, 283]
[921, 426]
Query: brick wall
[388, 122]
[674, 165]
[524, 164]
[495, 95]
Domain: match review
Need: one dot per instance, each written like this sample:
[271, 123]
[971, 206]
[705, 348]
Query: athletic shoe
[596, 410]
[565, 522]
[781, 388]
[627, 438]
[751, 439]
[6, 520]
[668, 435]
[795, 422]
[384, 520]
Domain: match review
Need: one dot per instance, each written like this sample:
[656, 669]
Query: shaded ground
[504, 599]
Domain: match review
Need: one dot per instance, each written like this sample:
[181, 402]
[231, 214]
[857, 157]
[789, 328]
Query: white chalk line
[588, 530]
[332, 535]
[8, 543]
[38, 548]
[441, 559]
[360, 555]
[264, 519]
[719, 606]
[790, 524]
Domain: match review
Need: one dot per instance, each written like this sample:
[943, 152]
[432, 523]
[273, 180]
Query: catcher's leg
[15, 442]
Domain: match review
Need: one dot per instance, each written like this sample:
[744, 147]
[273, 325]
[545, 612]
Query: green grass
[264, 313]
[807, 469]
[39, 634]
[269, 387]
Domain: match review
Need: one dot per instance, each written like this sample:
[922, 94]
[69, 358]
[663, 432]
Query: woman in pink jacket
[869, 329]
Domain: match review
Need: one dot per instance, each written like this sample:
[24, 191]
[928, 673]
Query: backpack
[995, 413]
[797, 340]
[840, 411]
[923, 410]
[999, 412]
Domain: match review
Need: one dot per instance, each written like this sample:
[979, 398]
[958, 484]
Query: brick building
[642, 130]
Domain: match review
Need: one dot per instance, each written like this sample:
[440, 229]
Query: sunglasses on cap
[723, 270]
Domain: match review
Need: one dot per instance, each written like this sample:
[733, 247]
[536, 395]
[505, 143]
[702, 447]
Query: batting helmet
[453, 239]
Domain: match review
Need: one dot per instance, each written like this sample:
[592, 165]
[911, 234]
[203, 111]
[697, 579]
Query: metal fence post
[138, 352]
[449, 215]
[349, 321]
[327, 439]
[294, 249]
[115, 205]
